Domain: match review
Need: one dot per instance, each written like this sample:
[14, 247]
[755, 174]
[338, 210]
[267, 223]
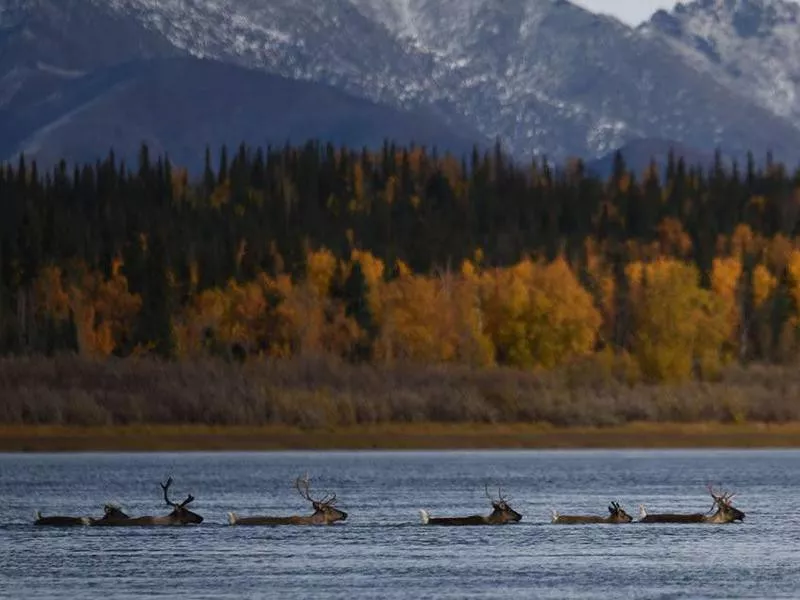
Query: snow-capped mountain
[750, 46]
[543, 76]
[79, 77]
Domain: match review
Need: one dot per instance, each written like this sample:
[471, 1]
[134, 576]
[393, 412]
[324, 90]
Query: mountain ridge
[546, 77]
[752, 47]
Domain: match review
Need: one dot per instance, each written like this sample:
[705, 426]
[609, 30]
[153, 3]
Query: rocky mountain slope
[77, 78]
[545, 76]
[752, 47]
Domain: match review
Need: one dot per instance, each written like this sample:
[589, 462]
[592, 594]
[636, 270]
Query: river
[383, 550]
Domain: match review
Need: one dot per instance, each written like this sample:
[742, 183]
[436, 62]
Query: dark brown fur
[725, 513]
[324, 511]
[501, 514]
[616, 515]
[180, 515]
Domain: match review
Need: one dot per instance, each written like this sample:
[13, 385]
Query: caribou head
[502, 512]
[725, 512]
[617, 514]
[324, 509]
[180, 514]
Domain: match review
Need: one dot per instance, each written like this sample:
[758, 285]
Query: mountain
[178, 105]
[752, 47]
[44, 43]
[545, 76]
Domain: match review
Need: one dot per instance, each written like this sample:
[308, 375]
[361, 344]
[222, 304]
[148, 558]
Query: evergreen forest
[400, 257]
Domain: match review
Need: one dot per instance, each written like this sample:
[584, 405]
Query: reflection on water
[382, 550]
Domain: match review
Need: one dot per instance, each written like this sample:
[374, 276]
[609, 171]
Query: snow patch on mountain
[545, 76]
[750, 46]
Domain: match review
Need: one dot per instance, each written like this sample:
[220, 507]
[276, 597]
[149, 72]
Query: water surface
[383, 551]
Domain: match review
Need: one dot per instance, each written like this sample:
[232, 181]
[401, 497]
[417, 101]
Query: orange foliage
[320, 267]
[793, 268]
[743, 241]
[674, 241]
[764, 283]
[103, 310]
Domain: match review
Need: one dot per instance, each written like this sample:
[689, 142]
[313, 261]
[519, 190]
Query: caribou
[502, 514]
[616, 515]
[725, 512]
[180, 515]
[325, 513]
[111, 513]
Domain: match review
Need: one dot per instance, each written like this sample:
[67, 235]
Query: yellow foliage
[478, 257]
[778, 252]
[678, 324]
[538, 315]
[410, 321]
[673, 239]
[403, 270]
[261, 316]
[373, 269]
[434, 319]
[320, 267]
[764, 283]
[725, 276]
[793, 267]
[743, 241]
[469, 271]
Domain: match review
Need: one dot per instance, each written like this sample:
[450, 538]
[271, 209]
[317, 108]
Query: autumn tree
[538, 315]
[680, 328]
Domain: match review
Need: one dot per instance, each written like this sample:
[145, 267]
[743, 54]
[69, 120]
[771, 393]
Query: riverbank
[142, 438]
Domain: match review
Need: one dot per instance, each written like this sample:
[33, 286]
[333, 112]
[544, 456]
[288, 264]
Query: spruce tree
[155, 318]
[355, 295]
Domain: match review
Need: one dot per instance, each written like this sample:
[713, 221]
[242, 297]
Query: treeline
[403, 255]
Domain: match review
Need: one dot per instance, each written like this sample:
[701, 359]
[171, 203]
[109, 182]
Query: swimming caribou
[725, 512]
[502, 513]
[616, 515]
[111, 513]
[325, 513]
[180, 515]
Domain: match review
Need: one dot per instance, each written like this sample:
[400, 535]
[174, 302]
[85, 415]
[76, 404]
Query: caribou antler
[302, 485]
[302, 488]
[723, 499]
[500, 497]
[165, 487]
[486, 490]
